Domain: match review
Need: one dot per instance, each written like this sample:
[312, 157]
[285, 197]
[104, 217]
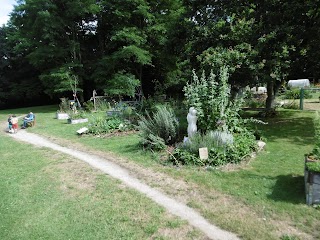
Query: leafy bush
[126, 111]
[88, 105]
[185, 157]
[255, 103]
[295, 94]
[199, 140]
[64, 106]
[163, 124]
[153, 142]
[77, 114]
[102, 105]
[313, 166]
[101, 125]
[219, 153]
[213, 102]
[222, 130]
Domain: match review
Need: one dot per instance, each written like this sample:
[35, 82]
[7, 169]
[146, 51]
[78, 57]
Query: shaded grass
[270, 185]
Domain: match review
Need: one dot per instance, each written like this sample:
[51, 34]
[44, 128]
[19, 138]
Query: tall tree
[53, 32]
[135, 41]
[255, 39]
[18, 79]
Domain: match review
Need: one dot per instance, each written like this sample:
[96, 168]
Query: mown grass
[48, 195]
[271, 185]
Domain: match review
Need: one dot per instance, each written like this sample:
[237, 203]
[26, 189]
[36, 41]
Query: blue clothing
[9, 123]
[28, 118]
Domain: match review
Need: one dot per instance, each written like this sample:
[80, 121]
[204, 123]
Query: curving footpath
[115, 171]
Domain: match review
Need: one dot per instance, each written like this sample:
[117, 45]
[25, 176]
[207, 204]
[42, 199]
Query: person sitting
[27, 119]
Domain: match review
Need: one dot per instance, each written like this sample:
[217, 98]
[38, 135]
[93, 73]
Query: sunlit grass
[48, 195]
[271, 185]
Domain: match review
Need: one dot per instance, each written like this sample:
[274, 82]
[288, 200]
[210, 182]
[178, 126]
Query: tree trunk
[271, 96]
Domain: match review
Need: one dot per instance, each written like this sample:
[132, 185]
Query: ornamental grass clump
[158, 129]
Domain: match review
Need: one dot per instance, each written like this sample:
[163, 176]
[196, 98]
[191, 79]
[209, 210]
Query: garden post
[301, 98]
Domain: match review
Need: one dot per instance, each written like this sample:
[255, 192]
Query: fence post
[301, 98]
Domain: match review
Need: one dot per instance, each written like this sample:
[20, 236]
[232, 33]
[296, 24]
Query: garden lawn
[262, 199]
[48, 195]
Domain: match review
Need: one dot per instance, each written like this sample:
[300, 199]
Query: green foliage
[198, 141]
[153, 142]
[163, 124]
[88, 105]
[294, 93]
[101, 125]
[220, 151]
[289, 237]
[101, 104]
[64, 106]
[77, 114]
[233, 58]
[222, 130]
[254, 103]
[313, 166]
[291, 105]
[61, 80]
[316, 149]
[185, 157]
[122, 84]
[212, 100]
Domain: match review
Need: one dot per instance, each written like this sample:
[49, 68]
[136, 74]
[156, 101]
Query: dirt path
[174, 206]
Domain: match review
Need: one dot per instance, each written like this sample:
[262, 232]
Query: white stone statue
[192, 122]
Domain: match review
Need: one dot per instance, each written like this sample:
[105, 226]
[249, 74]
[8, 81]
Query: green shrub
[102, 105]
[295, 94]
[101, 125]
[185, 157]
[221, 128]
[313, 166]
[64, 106]
[162, 124]
[255, 103]
[77, 114]
[213, 102]
[197, 141]
[153, 142]
[220, 152]
[88, 105]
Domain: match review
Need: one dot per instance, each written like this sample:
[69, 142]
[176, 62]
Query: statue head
[193, 111]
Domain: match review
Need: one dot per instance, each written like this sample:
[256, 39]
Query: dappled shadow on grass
[298, 130]
[289, 188]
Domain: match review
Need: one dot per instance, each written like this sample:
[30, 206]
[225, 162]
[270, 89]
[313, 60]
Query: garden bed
[312, 185]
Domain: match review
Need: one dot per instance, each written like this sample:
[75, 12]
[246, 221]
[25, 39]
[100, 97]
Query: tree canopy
[121, 47]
